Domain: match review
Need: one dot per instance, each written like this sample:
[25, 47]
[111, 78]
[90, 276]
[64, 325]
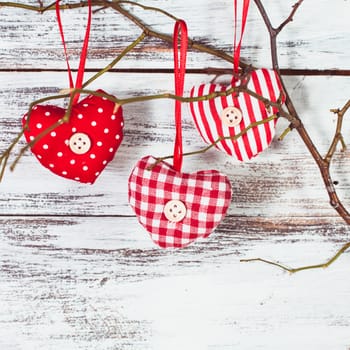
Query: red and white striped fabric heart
[177, 208]
[227, 116]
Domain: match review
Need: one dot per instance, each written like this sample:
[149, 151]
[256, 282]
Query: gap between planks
[283, 71]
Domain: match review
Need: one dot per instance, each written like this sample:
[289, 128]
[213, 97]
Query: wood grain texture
[285, 173]
[99, 283]
[314, 40]
[77, 271]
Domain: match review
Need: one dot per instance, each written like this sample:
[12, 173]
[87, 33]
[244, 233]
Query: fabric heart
[174, 207]
[227, 116]
[80, 149]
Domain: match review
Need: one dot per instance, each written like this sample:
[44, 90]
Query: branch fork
[290, 113]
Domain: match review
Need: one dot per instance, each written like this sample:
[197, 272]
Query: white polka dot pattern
[93, 116]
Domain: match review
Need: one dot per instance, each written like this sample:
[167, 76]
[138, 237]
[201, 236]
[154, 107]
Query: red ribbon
[179, 75]
[238, 43]
[83, 55]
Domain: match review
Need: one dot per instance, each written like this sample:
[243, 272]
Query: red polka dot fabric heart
[227, 116]
[177, 208]
[80, 149]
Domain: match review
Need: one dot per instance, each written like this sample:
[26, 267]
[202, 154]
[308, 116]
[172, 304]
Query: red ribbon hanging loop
[83, 55]
[237, 43]
[180, 32]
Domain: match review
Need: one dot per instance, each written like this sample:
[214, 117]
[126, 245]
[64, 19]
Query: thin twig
[291, 113]
[31, 143]
[125, 101]
[329, 262]
[284, 133]
[297, 124]
[5, 155]
[338, 137]
[290, 17]
[168, 38]
[115, 61]
[322, 163]
[64, 119]
[232, 138]
[148, 8]
[117, 6]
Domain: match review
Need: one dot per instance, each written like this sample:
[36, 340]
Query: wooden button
[79, 143]
[231, 116]
[175, 210]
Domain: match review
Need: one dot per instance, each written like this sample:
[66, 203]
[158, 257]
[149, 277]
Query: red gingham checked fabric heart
[177, 208]
[80, 149]
[174, 207]
[227, 116]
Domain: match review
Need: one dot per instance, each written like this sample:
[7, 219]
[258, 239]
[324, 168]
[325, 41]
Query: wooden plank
[77, 270]
[284, 174]
[99, 282]
[30, 40]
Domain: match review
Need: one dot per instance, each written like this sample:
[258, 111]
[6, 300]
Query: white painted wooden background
[77, 271]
